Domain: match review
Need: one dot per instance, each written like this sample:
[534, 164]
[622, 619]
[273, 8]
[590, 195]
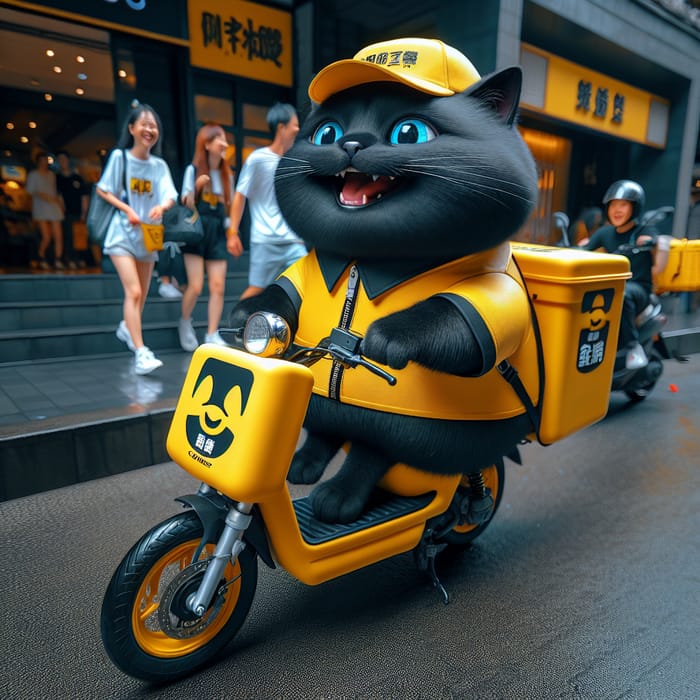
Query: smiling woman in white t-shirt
[150, 192]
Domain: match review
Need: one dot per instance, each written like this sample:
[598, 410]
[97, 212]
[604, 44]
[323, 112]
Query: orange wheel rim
[144, 615]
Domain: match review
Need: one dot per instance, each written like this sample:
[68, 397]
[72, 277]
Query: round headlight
[266, 334]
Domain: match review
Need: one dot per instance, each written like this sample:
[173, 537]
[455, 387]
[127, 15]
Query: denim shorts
[269, 260]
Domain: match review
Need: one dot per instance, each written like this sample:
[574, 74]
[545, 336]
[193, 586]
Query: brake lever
[345, 347]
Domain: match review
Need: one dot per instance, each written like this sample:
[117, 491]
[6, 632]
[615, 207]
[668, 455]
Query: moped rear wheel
[147, 630]
[494, 479]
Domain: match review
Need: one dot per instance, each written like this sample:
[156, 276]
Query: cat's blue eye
[328, 132]
[411, 131]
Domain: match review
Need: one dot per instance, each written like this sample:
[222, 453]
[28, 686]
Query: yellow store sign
[241, 38]
[573, 93]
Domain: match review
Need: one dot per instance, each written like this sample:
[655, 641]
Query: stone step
[50, 316]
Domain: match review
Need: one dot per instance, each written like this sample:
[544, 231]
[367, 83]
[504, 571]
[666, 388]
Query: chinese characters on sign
[600, 103]
[241, 38]
[264, 44]
[578, 95]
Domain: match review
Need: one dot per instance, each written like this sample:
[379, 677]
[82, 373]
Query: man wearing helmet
[645, 249]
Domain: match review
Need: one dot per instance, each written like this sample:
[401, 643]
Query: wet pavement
[41, 395]
[584, 586]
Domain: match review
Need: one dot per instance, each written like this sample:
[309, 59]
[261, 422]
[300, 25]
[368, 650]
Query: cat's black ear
[501, 91]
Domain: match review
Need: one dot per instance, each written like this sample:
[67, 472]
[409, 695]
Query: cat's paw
[388, 341]
[331, 503]
[305, 469]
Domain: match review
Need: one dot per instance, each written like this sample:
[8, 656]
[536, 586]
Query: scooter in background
[638, 383]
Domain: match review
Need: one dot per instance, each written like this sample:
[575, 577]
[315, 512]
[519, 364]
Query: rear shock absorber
[480, 499]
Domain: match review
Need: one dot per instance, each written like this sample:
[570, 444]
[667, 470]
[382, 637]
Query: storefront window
[552, 156]
[214, 109]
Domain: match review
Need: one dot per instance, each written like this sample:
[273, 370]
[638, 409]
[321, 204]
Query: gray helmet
[630, 191]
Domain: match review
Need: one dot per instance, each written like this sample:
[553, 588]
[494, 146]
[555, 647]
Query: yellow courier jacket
[487, 289]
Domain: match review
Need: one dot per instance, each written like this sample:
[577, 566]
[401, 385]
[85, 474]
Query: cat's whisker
[480, 188]
[466, 170]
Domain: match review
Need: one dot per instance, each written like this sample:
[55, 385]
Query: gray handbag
[100, 212]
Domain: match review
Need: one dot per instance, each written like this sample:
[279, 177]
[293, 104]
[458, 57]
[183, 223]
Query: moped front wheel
[463, 534]
[147, 629]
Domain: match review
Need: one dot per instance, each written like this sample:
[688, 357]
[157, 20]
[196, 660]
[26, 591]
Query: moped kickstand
[424, 555]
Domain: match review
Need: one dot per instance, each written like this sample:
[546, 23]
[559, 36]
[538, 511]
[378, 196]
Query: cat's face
[383, 171]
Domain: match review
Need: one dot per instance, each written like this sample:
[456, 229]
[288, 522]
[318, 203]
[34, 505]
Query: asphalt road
[586, 585]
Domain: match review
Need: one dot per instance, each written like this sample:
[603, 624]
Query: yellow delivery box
[238, 420]
[577, 299]
[682, 271]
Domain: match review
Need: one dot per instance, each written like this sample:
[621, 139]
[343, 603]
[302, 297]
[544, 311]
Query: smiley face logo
[217, 404]
[597, 313]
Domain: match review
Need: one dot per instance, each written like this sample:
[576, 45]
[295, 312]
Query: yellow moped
[184, 589]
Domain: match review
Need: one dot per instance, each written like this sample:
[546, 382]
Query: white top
[46, 184]
[215, 183]
[149, 183]
[257, 184]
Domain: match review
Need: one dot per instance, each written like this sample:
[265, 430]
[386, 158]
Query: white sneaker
[169, 291]
[216, 339]
[636, 357]
[188, 338]
[124, 335]
[146, 361]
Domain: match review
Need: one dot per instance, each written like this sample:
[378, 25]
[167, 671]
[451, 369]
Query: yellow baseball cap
[427, 65]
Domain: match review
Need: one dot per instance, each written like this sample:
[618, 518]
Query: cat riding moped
[184, 590]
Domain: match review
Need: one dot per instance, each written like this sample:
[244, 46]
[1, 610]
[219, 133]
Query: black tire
[494, 479]
[132, 632]
[640, 392]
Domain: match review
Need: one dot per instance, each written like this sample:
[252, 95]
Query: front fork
[229, 546]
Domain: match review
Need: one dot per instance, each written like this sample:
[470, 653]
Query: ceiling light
[32, 125]
[57, 69]
[48, 96]
[79, 91]
[10, 125]
[82, 76]
[80, 59]
[121, 73]
[24, 139]
[50, 52]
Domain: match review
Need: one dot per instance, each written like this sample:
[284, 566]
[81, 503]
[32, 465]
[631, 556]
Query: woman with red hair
[206, 186]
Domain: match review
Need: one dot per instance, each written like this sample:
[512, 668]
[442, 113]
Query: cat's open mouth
[359, 189]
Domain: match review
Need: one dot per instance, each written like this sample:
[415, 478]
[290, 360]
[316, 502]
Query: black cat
[408, 199]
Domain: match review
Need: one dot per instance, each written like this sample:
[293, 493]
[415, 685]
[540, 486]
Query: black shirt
[71, 188]
[641, 261]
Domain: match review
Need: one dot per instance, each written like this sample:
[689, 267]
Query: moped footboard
[237, 421]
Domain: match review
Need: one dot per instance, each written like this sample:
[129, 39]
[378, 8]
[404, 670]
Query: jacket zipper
[336, 375]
